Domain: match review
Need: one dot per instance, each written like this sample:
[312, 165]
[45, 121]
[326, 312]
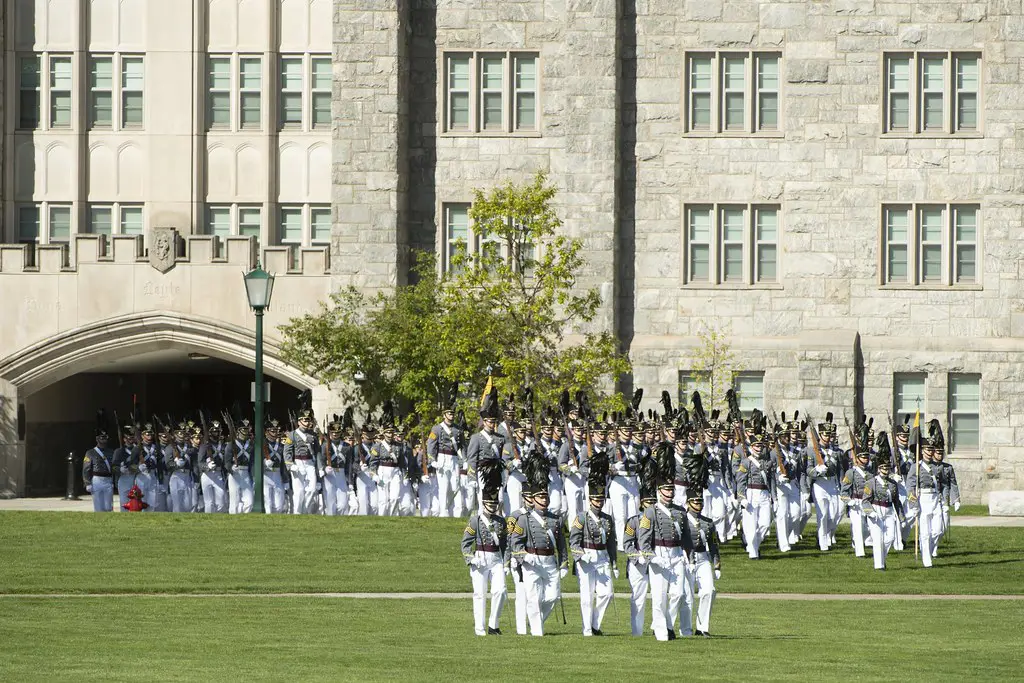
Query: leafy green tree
[712, 365]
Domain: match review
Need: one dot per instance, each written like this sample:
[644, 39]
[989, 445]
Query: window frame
[950, 246]
[41, 67]
[51, 77]
[751, 246]
[749, 374]
[751, 91]
[952, 94]
[117, 217]
[475, 241]
[94, 91]
[901, 380]
[952, 413]
[124, 91]
[242, 91]
[118, 91]
[510, 93]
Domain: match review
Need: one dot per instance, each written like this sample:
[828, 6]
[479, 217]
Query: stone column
[12, 450]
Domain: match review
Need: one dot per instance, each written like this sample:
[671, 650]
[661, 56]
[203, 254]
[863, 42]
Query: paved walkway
[85, 505]
[467, 596]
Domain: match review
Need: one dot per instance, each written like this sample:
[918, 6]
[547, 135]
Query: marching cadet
[485, 548]
[718, 491]
[538, 541]
[301, 450]
[787, 486]
[880, 503]
[126, 463]
[149, 459]
[384, 462]
[623, 490]
[410, 472]
[664, 540]
[851, 493]
[593, 546]
[443, 450]
[275, 476]
[549, 448]
[161, 499]
[950, 489]
[682, 453]
[517, 448]
[825, 484]
[366, 487]
[212, 462]
[484, 445]
[702, 571]
[637, 564]
[572, 457]
[518, 579]
[98, 468]
[905, 457]
[335, 462]
[426, 489]
[754, 484]
[240, 455]
[925, 487]
[180, 464]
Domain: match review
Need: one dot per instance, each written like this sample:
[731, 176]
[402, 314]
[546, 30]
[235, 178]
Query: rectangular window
[930, 244]
[101, 220]
[456, 232]
[492, 93]
[250, 86]
[218, 221]
[291, 225]
[250, 221]
[132, 87]
[291, 92]
[28, 224]
[28, 93]
[733, 92]
[734, 244]
[908, 394]
[964, 412]
[219, 92]
[320, 225]
[60, 92]
[687, 385]
[60, 223]
[931, 93]
[101, 92]
[749, 387]
[131, 220]
[321, 93]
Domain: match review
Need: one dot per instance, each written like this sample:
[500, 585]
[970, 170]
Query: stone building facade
[838, 183]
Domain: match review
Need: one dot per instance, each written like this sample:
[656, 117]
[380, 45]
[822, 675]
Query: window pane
[492, 110]
[526, 110]
[732, 225]
[131, 220]
[897, 263]
[60, 73]
[967, 73]
[899, 111]
[320, 221]
[966, 269]
[767, 225]
[132, 73]
[101, 109]
[291, 225]
[931, 74]
[220, 73]
[132, 109]
[28, 109]
[931, 264]
[321, 109]
[897, 221]
[458, 73]
[60, 104]
[490, 73]
[700, 73]
[291, 74]
[908, 394]
[766, 256]
[60, 223]
[700, 225]
[250, 110]
[768, 111]
[732, 266]
[218, 221]
[700, 262]
[768, 73]
[100, 220]
[460, 110]
[101, 73]
[749, 392]
[967, 111]
[291, 108]
[29, 73]
[526, 73]
[250, 73]
[733, 72]
[734, 110]
[28, 224]
[966, 432]
[899, 74]
[966, 225]
[322, 73]
[458, 222]
[701, 114]
[964, 393]
[931, 224]
[249, 222]
[932, 111]
[220, 109]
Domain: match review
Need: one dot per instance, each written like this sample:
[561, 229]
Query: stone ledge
[1006, 503]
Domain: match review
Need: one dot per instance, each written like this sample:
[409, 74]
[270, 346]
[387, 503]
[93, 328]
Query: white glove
[820, 469]
[898, 478]
[211, 465]
[287, 486]
[573, 469]
[508, 571]
[88, 488]
[956, 506]
[718, 574]
[615, 572]
[124, 469]
[563, 572]
[162, 489]
[143, 467]
[783, 479]
[179, 462]
[292, 467]
[425, 480]
[236, 468]
[328, 470]
[516, 463]
[268, 464]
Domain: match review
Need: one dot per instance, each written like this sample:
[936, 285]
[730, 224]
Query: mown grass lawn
[255, 638]
[50, 552]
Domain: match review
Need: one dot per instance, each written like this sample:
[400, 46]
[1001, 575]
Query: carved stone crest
[162, 248]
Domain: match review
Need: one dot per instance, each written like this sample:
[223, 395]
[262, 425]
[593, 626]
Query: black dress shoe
[703, 634]
[493, 631]
[671, 635]
[597, 632]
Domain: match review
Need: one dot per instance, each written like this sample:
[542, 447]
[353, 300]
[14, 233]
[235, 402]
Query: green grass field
[253, 637]
[47, 552]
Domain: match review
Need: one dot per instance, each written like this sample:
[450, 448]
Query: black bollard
[71, 478]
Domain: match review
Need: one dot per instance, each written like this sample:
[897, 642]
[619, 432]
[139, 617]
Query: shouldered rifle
[894, 460]
[812, 438]
[564, 406]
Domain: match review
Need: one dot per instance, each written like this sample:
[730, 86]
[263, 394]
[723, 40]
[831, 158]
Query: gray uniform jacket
[629, 540]
[97, 462]
[572, 453]
[950, 489]
[483, 447]
[338, 456]
[703, 537]
[755, 473]
[485, 534]
[628, 457]
[852, 486]
[588, 533]
[664, 526]
[831, 457]
[240, 454]
[930, 479]
[174, 451]
[882, 492]
[301, 445]
[441, 441]
[538, 534]
[215, 452]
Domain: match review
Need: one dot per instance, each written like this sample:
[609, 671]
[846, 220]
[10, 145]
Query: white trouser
[125, 482]
[667, 585]
[447, 484]
[624, 496]
[274, 499]
[406, 496]
[700, 582]
[470, 499]
[147, 481]
[907, 525]
[521, 600]
[542, 589]
[303, 486]
[181, 491]
[427, 492]
[389, 490]
[716, 504]
[856, 525]
[882, 523]
[556, 493]
[573, 487]
[489, 575]
[757, 515]
[788, 494]
[638, 583]
[335, 493]
[511, 496]
[215, 495]
[595, 579]
[828, 510]
[240, 492]
[930, 525]
[366, 493]
[102, 494]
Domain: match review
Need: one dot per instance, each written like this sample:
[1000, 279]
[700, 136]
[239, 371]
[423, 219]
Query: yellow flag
[487, 390]
[917, 420]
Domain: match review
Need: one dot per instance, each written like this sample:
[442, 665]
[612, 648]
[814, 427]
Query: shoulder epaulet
[645, 522]
[87, 459]
[373, 451]
[470, 530]
[433, 435]
[576, 524]
[867, 490]
[629, 530]
[287, 441]
[743, 468]
[510, 524]
[517, 529]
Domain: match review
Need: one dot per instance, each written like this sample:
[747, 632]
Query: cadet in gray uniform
[572, 458]
[485, 549]
[950, 488]
[881, 503]
[825, 484]
[484, 445]
[851, 492]
[637, 565]
[755, 480]
[126, 464]
[213, 465]
[179, 463]
[98, 468]
[538, 542]
[925, 490]
[701, 573]
[275, 476]
[518, 578]
[239, 458]
[593, 545]
[301, 451]
[335, 462]
[443, 445]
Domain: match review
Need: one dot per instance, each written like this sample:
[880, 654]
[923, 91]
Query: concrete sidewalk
[85, 505]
